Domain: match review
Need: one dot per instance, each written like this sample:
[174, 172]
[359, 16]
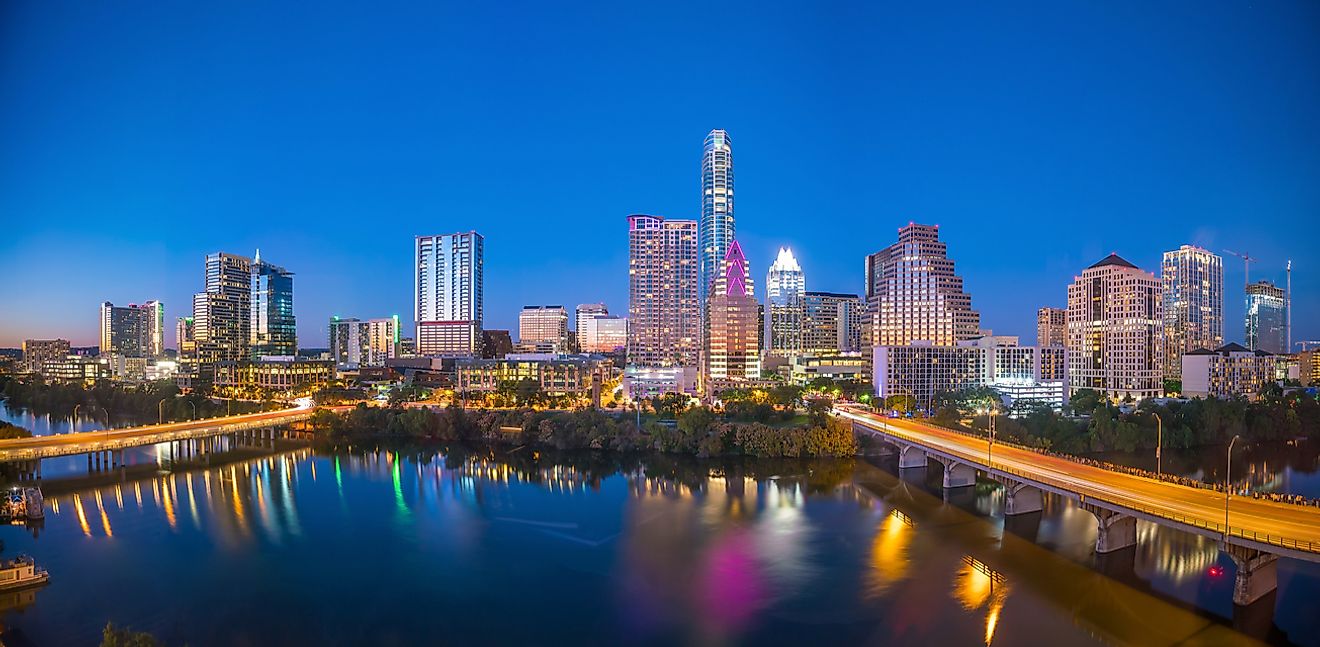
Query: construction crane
[1247, 260]
[1308, 345]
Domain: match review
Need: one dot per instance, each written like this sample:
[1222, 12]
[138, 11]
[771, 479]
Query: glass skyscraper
[273, 328]
[450, 306]
[716, 231]
[1267, 316]
[784, 286]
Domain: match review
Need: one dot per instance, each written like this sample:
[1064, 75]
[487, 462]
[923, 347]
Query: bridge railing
[1226, 531]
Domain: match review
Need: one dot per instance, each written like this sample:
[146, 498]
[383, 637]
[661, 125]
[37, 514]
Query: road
[1281, 524]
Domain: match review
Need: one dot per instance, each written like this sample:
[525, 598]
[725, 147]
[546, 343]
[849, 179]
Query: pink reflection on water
[732, 586]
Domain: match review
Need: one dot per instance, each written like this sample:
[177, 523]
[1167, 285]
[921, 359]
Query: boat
[21, 572]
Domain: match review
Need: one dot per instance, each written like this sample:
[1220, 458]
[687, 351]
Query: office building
[1115, 331]
[222, 313]
[731, 351]
[450, 304]
[1193, 304]
[1267, 318]
[783, 311]
[556, 374]
[641, 382]
[544, 325]
[273, 329]
[586, 311]
[835, 366]
[355, 343]
[913, 293]
[664, 317]
[831, 323]
[717, 229]
[1052, 327]
[923, 370]
[283, 373]
[1229, 371]
[133, 330]
[605, 334]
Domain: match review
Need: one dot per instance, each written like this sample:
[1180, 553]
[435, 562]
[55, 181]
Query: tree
[113, 636]
[786, 395]
[902, 402]
[528, 391]
[670, 405]
[818, 411]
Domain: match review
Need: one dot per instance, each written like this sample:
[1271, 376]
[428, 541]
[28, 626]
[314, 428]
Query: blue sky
[136, 137]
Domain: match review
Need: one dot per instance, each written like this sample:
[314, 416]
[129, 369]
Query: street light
[1159, 443]
[160, 411]
[1228, 482]
[989, 446]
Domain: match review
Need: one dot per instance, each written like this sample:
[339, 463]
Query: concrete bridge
[1253, 532]
[105, 448]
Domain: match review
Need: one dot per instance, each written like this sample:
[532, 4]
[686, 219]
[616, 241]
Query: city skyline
[1207, 179]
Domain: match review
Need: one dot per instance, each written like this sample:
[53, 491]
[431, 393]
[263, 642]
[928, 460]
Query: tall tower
[273, 329]
[222, 313]
[1193, 301]
[785, 285]
[1267, 318]
[731, 353]
[664, 317]
[1115, 331]
[450, 302]
[913, 293]
[716, 207]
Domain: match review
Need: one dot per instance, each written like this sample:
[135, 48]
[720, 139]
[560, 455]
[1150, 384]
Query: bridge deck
[25, 449]
[1256, 523]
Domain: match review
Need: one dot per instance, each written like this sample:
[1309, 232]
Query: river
[418, 545]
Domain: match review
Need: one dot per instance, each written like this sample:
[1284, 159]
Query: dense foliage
[140, 402]
[8, 430]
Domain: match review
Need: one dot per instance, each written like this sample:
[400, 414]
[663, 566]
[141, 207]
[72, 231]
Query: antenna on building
[1287, 303]
[258, 257]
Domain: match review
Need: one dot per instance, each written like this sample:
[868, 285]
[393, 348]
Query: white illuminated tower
[716, 232]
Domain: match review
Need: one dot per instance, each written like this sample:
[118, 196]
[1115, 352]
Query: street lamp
[1228, 482]
[160, 411]
[989, 446]
[194, 406]
[1159, 443]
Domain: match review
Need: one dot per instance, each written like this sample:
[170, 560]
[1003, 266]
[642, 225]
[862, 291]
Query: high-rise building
[1052, 327]
[731, 352]
[1267, 318]
[495, 343]
[544, 325]
[450, 302]
[133, 331]
[784, 288]
[1193, 304]
[1115, 331]
[587, 311]
[36, 352]
[185, 339]
[222, 314]
[355, 343]
[831, 323]
[716, 207]
[273, 331]
[913, 293]
[664, 318]
[382, 340]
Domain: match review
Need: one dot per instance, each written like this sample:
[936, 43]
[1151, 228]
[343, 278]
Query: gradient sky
[136, 137]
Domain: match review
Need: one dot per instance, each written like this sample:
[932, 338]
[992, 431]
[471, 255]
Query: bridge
[105, 448]
[1253, 532]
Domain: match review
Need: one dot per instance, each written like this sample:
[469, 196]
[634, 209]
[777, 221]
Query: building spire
[258, 256]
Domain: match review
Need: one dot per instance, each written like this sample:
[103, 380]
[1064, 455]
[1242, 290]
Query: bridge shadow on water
[1126, 596]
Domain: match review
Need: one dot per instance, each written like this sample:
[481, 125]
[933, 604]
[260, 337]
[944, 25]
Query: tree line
[139, 402]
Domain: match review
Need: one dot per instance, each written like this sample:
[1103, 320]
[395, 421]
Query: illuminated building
[605, 334]
[841, 366]
[1115, 331]
[1228, 371]
[923, 370]
[544, 325]
[1052, 327]
[831, 323]
[273, 328]
[913, 293]
[664, 318]
[555, 374]
[785, 284]
[585, 312]
[355, 343]
[731, 352]
[717, 229]
[1193, 304]
[280, 374]
[36, 352]
[222, 312]
[450, 303]
[133, 331]
[185, 339]
[1308, 367]
[650, 381]
[1267, 317]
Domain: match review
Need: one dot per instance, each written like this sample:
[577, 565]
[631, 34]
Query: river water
[419, 545]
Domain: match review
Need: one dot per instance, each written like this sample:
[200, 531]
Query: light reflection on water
[401, 547]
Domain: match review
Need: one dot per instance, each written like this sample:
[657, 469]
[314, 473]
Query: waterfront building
[496, 344]
[544, 324]
[731, 350]
[1115, 331]
[75, 368]
[36, 352]
[717, 230]
[1052, 327]
[607, 334]
[1308, 366]
[831, 323]
[556, 374]
[1267, 318]
[641, 382]
[450, 302]
[1193, 304]
[837, 366]
[923, 370]
[664, 317]
[914, 294]
[282, 373]
[133, 330]
[273, 329]
[222, 311]
[783, 311]
[1229, 371]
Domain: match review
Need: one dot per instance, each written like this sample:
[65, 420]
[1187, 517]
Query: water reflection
[977, 586]
[889, 553]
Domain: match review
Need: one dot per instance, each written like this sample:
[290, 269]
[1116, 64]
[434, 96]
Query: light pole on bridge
[1228, 482]
[989, 412]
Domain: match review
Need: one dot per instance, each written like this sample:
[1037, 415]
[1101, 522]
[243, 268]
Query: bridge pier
[910, 456]
[956, 474]
[1020, 498]
[1257, 575]
[1115, 530]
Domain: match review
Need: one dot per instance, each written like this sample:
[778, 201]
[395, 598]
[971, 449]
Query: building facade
[1052, 327]
[544, 325]
[717, 230]
[606, 334]
[1267, 318]
[923, 370]
[133, 331]
[496, 344]
[273, 329]
[186, 340]
[831, 323]
[36, 352]
[284, 374]
[783, 311]
[556, 373]
[450, 301]
[1229, 371]
[222, 313]
[914, 294]
[664, 317]
[731, 350]
[1115, 331]
[1193, 304]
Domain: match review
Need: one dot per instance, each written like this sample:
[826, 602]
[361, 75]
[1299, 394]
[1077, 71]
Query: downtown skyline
[828, 177]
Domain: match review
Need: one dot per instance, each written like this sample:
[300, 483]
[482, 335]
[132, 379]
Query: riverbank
[142, 402]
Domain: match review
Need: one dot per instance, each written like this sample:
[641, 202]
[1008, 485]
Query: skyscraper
[913, 293]
[586, 311]
[273, 329]
[355, 343]
[597, 331]
[1115, 336]
[664, 319]
[784, 288]
[185, 339]
[1267, 317]
[450, 302]
[831, 323]
[544, 325]
[222, 313]
[1193, 304]
[133, 331]
[716, 207]
[1051, 327]
[731, 352]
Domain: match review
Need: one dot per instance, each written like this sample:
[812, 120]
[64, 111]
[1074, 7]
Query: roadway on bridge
[1296, 526]
[128, 434]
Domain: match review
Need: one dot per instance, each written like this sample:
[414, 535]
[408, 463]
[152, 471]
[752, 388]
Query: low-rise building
[652, 381]
[837, 366]
[557, 374]
[74, 368]
[273, 373]
[1228, 371]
